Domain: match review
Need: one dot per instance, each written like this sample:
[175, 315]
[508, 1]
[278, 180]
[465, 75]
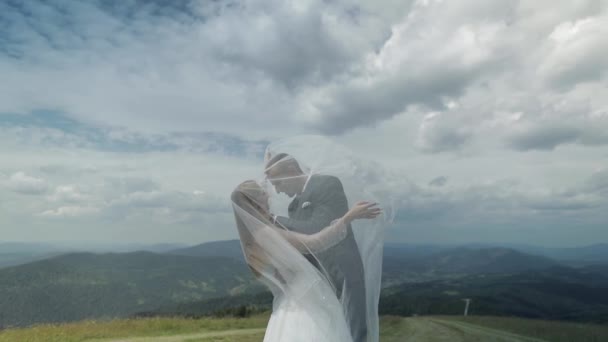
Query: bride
[305, 306]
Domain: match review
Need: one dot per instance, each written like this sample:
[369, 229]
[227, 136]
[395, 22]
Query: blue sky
[133, 120]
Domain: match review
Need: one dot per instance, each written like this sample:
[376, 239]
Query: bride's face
[264, 198]
[260, 197]
[255, 194]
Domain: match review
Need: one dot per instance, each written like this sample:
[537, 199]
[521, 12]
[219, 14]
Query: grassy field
[555, 331]
[90, 330]
[393, 329]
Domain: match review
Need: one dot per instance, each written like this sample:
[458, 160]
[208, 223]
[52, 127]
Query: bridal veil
[316, 271]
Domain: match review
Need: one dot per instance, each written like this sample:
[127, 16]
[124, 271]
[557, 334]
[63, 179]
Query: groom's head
[285, 174]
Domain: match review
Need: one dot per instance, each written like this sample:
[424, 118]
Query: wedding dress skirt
[315, 315]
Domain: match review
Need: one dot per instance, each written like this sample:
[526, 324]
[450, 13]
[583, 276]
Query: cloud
[576, 51]
[52, 129]
[328, 67]
[439, 181]
[411, 68]
[70, 211]
[140, 117]
[563, 203]
[470, 61]
[500, 206]
[183, 201]
[544, 137]
[22, 183]
[168, 207]
[128, 185]
[68, 194]
[436, 134]
[598, 182]
[231, 67]
[134, 200]
[549, 135]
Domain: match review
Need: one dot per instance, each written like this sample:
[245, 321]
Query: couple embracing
[322, 258]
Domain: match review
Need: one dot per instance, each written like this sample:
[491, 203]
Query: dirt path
[423, 329]
[183, 337]
[472, 332]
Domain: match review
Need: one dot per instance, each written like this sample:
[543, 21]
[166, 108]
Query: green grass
[86, 330]
[555, 331]
[243, 338]
[392, 329]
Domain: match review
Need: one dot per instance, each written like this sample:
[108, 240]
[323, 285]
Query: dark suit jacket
[326, 202]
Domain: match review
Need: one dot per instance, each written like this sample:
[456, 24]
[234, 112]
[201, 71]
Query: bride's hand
[362, 209]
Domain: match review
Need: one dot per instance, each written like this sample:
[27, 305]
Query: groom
[317, 201]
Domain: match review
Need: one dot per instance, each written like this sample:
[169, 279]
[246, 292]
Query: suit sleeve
[329, 203]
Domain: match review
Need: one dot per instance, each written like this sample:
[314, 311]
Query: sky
[132, 121]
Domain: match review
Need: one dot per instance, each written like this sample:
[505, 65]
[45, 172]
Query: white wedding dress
[310, 311]
[306, 319]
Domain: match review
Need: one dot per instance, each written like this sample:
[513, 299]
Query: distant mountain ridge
[583, 255]
[227, 248]
[410, 263]
[486, 260]
[458, 262]
[18, 253]
[557, 293]
[577, 256]
[80, 285]
[76, 286]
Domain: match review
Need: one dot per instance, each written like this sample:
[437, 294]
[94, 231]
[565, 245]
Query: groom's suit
[322, 201]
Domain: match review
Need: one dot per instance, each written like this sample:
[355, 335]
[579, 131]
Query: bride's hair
[248, 197]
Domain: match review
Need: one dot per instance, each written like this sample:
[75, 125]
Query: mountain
[117, 247]
[76, 286]
[413, 262]
[455, 262]
[557, 293]
[484, 260]
[597, 268]
[232, 249]
[574, 256]
[157, 248]
[26, 247]
[210, 276]
[401, 250]
[16, 253]
[14, 259]
[228, 249]
[577, 256]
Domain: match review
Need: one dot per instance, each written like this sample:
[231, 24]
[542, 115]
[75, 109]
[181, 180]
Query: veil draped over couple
[312, 230]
